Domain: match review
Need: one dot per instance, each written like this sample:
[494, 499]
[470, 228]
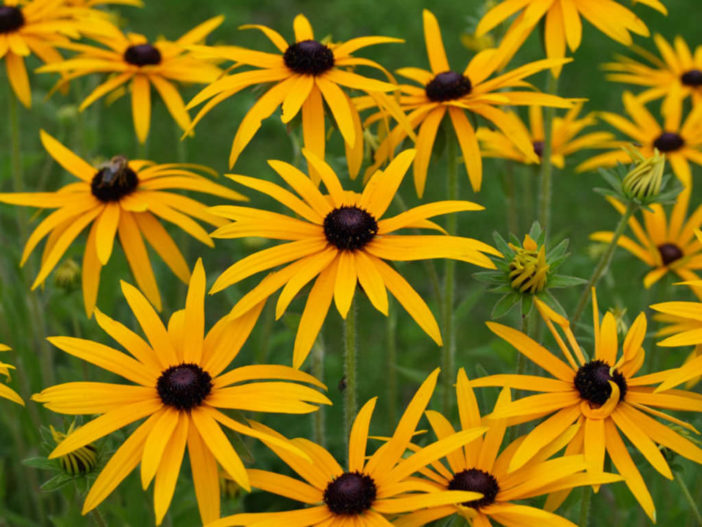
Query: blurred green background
[106, 130]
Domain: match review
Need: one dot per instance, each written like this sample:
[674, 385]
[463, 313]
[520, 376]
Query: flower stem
[350, 402]
[16, 160]
[585, 505]
[319, 436]
[689, 498]
[510, 192]
[449, 349]
[603, 263]
[546, 166]
[97, 518]
[391, 370]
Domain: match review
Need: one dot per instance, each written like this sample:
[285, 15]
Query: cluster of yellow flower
[334, 239]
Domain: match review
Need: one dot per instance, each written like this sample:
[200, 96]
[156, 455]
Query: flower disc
[309, 57]
[349, 494]
[142, 55]
[448, 86]
[669, 142]
[184, 386]
[114, 180]
[475, 480]
[11, 18]
[592, 381]
[349, 228]
[692, 78]
[669, 253]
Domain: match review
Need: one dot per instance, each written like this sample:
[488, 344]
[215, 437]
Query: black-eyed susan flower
[339, 239]
[663, 243]
[132, 59]
[679, 141]
[481, 467]
[305, 74]
[373, 489]
[684, 328]
[601, 393]
[565, 137]
[563, 23]
[445, 92]
[80, 461]
[180, 387]
[5, 391]
[122, 199]
[676, 73]
[37, 27]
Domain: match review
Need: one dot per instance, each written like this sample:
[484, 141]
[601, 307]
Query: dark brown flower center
[592, 381]
[142, 55]
[184, 386]
[350, 494]
[692, 78]
[669, 142]
[448, 86]
[539, 148]
[309, 57]
[669, 253]
[349, 228]
[11, 18]
[114, 180]
[474, 480]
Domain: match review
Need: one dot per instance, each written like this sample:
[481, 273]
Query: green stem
[510, 192]
[546, 166]
[350, 401]
[16, 161]
[448, 351]
[97, 518]
[689, 498]
[391, 370]
[319, 436]
[585, 505]
[603, 263]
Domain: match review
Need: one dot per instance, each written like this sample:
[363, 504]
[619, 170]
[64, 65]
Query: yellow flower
[306, 74]
[447, 92]
[602, 394]
[677, 73]
[665, 244]
[38, 27]
[180, 388]
[120, 198]
[478, 468]
[373, 489]
[132, 59]
[563, 24]
[565, 140]
[340, 238]
[681, 142]
[5, 391]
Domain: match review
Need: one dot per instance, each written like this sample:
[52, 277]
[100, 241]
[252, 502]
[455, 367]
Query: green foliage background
[103, 131]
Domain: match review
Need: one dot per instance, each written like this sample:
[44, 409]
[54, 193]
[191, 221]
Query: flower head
[663, 243]
[120, 198]
[180, 387]
[602, 394]
[372, 489]
[565, 139]
[306, 73]
[132, 59]
[5, 391]
[563, 23]
[80, 461]
[676, 74]
[444, 91]
[481, 467]
[339, 239]
[679, 141]
[643, 182]
[38, 27]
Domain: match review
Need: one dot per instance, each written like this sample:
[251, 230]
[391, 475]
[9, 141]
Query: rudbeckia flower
[481, 467]
[372, 490]
[684, 329]
[133, 59]
[603, 394]
[181, 389]
[444, 91]
[665, 244]
[5, 391]
[306, 74]
[679, 141]
[565, 140]
[563, 24]
[119, 198]
[38, 27]
[340, 238]
[677, 73]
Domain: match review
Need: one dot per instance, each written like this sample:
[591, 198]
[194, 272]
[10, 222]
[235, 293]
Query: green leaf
[504, 305]
[561, 280]
[490, 277]
[40, 462]
[501, 245]
[55, 483]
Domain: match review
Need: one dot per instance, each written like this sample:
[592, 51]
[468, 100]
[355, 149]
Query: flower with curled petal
[603, 394]
[5, 391]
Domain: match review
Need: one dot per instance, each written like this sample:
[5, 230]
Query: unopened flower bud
[528, 268]
[80, 461]
[644, 180]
